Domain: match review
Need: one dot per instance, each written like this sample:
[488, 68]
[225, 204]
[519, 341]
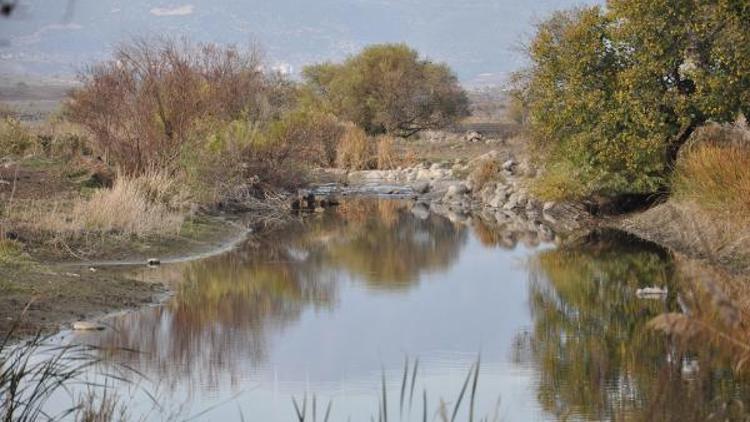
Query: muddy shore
[42, 296]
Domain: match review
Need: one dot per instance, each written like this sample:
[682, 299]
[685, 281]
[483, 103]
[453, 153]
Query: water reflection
[595, 357]
[384, 244]
[226, 306]
[325, 306]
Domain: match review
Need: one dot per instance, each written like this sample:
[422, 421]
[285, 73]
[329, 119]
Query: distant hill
[478, 38]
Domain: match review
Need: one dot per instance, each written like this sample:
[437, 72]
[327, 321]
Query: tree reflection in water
[383, 244]
[595, 357]
[227, 306]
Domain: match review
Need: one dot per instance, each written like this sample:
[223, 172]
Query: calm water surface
[329, 307]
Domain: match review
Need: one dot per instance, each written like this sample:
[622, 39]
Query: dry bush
[717, 177]
[59, 138]
[486, 171]
[308, 136]
[239, 159]
[354, 150]
[141, 105]
[15, 139]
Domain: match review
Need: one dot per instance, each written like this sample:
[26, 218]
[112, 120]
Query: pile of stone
[473, 136]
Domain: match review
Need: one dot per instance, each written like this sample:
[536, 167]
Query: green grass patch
[558, 182]
[11, 287]
[12, 255]
[203, 227]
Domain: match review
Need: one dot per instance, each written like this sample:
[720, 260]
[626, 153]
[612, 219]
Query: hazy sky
[478, 38]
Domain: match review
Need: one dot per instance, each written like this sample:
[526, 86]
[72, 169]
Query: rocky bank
[451, 189]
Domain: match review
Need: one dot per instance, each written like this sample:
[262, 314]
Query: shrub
[560, 180]
[354, 150]
[615, 99]
[388, 89]
[229, 161]
[15, 139]
[717, 177]
[58, 137]
[485, 172]
[142, 105]
[310, 136]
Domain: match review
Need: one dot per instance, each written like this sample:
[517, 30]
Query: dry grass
[686, 226]
[707, 219]
[715, 295]
[52, 138]
[485, 171]
[387, 157]
[107, 408]
[57, 137]
[716, 177]
[354, 150]
[149, 205]
[357, 151]
[141, 206]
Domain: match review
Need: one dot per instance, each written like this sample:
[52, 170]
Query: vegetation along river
[352, 299]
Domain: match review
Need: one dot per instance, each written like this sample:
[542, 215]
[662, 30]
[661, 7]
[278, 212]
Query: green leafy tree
[614, 93]
[388, 88]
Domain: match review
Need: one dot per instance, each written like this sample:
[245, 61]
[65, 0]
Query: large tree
[388, 88]
[614, 93]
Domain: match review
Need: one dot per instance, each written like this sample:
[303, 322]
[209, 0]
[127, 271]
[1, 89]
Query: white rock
[652, 292]
[509, 165]
[497, 201]
[87, 326]
[420, 211]
[424, 174]
[457, 189]
[473, 136]
[422, 187]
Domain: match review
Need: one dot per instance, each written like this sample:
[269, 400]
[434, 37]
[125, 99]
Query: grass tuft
[717, 178]
[143, 206]
[354, 150]
[387, 156]
[12, 254]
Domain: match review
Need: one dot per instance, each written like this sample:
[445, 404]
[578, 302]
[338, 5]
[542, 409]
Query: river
[341, 309]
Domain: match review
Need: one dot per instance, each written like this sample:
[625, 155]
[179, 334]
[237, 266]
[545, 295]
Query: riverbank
[51, 277]
[41, 295]
[484, 183]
